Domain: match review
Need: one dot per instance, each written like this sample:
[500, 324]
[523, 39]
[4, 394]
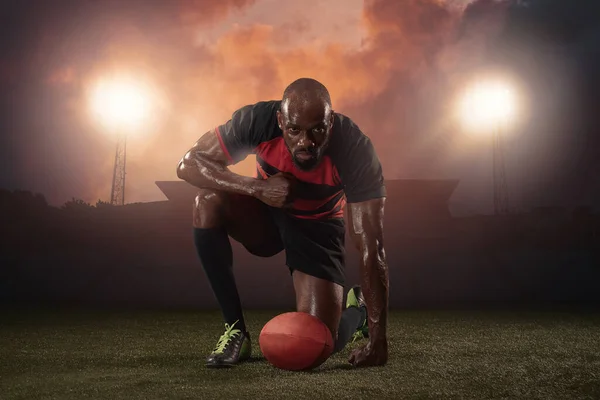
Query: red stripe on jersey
[327, 214]
[276, 154]
[223, 145]
[307, 205]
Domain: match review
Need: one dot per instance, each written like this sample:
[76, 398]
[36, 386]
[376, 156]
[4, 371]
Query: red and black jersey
[350, 170]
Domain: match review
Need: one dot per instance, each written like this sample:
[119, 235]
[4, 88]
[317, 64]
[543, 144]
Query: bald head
[306, 119]
[305, 93]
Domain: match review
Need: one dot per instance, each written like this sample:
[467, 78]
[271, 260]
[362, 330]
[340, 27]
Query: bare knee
[209, 207]
[320, 298]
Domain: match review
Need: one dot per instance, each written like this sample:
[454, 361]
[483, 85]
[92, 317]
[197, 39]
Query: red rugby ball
[296, 341]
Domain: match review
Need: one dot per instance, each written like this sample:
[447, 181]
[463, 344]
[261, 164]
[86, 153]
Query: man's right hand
[276, 191]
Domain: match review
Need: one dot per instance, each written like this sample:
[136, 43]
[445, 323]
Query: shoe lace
[225, 338]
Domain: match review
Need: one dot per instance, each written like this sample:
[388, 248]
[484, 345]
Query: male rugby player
[311, 161]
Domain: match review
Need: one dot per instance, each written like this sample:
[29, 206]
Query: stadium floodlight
[485, 105]
[489, 107]
[122, 106]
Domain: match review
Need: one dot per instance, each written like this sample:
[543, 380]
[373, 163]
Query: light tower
[117, 192]
[489, 106]
[121, 105]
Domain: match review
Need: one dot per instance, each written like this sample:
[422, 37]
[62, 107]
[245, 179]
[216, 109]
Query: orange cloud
[401, 69]
[206, 12]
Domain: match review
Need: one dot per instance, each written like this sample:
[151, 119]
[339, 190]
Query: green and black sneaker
[233, 347]
[355, 299]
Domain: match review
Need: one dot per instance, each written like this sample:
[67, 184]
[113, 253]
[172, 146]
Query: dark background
[141, 255]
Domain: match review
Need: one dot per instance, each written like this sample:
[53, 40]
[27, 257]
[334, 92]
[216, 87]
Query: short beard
[307, 165]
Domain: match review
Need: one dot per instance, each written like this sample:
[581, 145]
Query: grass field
[434, 355]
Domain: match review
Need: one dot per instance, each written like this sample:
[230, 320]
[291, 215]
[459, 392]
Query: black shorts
[315, 247]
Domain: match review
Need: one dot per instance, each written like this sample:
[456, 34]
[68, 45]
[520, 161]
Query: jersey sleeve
[245, 130]
[361, 172]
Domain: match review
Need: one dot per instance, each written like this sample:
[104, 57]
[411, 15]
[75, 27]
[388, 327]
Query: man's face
[306, 129]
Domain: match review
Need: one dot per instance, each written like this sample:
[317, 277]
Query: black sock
[214, 250]
[352, 319]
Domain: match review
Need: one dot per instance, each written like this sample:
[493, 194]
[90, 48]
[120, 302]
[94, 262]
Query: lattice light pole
[121, 105]
[117, 193]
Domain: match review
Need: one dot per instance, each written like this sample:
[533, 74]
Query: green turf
[442, 355]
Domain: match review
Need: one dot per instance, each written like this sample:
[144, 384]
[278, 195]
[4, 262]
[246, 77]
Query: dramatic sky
[394, 66]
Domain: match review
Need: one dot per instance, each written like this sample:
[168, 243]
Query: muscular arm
[205, 166]
[366, 231]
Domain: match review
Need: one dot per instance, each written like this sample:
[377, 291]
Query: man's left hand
[370, 355]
